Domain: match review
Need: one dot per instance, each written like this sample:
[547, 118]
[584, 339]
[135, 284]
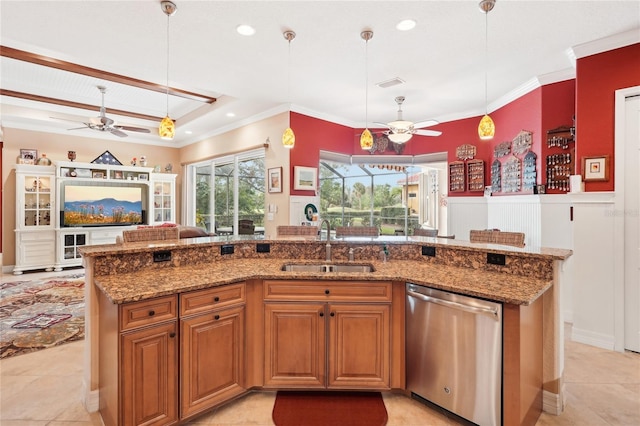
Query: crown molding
[615, 41]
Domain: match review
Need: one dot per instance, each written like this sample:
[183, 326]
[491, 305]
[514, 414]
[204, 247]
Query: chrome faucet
[328, 246]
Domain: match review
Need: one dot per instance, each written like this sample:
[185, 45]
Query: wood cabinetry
[212, 355]
[138, 366]
[35, 213]
[327, 334]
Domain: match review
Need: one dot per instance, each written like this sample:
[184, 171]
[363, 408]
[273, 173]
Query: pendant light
[167, 129]
[288, 137]
[366, 138]
[486, 128]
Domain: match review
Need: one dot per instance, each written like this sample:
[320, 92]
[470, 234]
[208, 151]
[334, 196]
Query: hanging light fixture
[288, 137]
[366, 138]
[167, 129]
[486, 128]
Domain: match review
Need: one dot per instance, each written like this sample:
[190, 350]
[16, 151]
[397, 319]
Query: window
[225, 190]
[396, 198]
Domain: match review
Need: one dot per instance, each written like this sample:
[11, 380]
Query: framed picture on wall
[274, 179]
[595, 168]
[305, 178]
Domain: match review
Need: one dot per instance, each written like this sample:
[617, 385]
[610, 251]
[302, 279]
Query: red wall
[598, 77]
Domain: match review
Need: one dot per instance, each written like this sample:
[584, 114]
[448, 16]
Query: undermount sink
[327, 267]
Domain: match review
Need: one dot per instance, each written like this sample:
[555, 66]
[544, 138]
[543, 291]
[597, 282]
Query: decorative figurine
[143, 160]
[71, 155]
[133, 161]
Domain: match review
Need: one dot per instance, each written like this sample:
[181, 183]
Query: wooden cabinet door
[359, 346]
[212, 359]
[295, 345]
[149, 376]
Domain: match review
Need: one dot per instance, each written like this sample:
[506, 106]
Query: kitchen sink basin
[327, 267]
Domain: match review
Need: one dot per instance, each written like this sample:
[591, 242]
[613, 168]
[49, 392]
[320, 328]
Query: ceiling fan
[102, 123]
[400, 130]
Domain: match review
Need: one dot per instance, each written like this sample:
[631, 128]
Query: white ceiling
[442, 59]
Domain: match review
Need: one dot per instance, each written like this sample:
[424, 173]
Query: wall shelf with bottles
[560, 159]
[456, 176]
[475, 175]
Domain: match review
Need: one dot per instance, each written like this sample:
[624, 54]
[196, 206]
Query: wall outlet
[263, 248]
[226, 249]
[496, 259]
[428, 251]
[162, 256]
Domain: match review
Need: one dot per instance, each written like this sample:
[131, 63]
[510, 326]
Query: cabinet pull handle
[327, 291]
[321, 314]
[217, 317]
[172, 335]
[332, 314]
[216, 299]
[152, 313]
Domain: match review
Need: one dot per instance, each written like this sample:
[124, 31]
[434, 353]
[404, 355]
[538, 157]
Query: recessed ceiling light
[245, 30]
[230, 114]
[406, 25]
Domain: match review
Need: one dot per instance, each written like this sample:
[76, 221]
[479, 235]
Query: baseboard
[599, 340]
[553, 403]
[91, 399]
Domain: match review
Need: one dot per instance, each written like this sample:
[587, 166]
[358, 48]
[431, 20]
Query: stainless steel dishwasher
[454, 353]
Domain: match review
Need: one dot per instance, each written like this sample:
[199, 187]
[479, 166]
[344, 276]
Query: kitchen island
[170, 293]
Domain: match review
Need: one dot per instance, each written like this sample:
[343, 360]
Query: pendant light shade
[486, 127]
[366, 138]
[167, 129]
[288, 137]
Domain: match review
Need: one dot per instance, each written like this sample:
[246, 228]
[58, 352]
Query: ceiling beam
[38, 98]
[46, 61]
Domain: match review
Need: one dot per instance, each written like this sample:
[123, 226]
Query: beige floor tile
[404, 411]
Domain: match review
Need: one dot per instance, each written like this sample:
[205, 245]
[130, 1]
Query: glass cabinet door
[163, 201]
[37, 201]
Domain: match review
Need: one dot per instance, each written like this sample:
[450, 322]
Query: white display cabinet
[35, 217]
[163, 198]
[50, 234]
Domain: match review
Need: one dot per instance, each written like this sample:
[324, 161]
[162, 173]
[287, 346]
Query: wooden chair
[297, 230]
[246, 227]
[494, 236]
[357, 231]
[421, 232]
[152, 233]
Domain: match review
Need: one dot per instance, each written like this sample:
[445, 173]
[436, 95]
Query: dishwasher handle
[493, 313]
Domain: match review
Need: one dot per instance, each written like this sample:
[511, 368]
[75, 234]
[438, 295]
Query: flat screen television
[84, 204]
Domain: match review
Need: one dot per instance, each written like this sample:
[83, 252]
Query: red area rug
[39, 314]
[329, 409]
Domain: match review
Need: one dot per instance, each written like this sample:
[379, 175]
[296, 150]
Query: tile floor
[43, 388]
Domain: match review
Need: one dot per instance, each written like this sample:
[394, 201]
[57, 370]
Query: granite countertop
[535, 252]
[512, 289]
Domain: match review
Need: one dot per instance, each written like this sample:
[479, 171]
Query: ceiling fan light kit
[401, 130]
[167, 128]
[486, 127]
[366, 138]
[288, 137]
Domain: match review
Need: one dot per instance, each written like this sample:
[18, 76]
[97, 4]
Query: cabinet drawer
[352, 291]
[139, 314]
[212, 298]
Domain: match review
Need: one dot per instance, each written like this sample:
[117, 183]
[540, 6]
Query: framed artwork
[28, 156]
[143, 176]
[97, 175]
[595, 168]
[117, 174]
[305, 178]
[274, 179]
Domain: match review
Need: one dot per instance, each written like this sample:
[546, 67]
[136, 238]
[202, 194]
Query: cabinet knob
[216, 299]
[172, 335]
[152, 313]
[333, 314]
[217, 317]
[327, 291]
[321, 314]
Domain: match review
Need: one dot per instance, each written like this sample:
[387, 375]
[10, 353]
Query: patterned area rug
[39, 314]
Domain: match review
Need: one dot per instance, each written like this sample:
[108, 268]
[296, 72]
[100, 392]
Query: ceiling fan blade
[385, 125]
[428, 132]
[117, 132]
[133, 129]
[78, 128]
[426, 123]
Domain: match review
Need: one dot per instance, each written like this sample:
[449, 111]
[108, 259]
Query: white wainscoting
[465, 214]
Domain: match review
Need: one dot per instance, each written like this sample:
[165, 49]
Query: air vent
[390, 83]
